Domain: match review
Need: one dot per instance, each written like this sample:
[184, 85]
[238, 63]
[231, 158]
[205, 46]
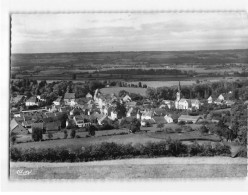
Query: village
[117, 113]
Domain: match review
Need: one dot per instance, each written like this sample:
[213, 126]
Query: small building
[210, 100]
[218, 101]
[89, 96]
[69, 99]
[58, 101]
[17, 99]
[188, 118]
[126, 98]
[146, 115]
[16, 128]
[229, 103]
[131, 104]
[159, 120]
[32, 101]
[82, 121]
[168, 118]
[160, 112]
[53, 126]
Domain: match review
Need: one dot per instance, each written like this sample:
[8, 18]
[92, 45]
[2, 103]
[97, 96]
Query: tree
[203, 129]
[13, 139]
[92, 130]
[134, 126]
[50, 135]
[121, 110]
[160, 126]
[65, 134]
[37, 134]
[73, 133]
[122, 93]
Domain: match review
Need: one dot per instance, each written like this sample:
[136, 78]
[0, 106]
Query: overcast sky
[90, 32]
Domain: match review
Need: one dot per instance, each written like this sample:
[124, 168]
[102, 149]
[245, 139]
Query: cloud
[128, 32]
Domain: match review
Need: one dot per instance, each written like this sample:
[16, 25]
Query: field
[141, 138]
[170, 167]
[116, 90]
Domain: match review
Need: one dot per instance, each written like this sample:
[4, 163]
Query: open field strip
[169, 167]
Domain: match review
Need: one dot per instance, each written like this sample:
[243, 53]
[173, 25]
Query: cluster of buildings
[98, 108]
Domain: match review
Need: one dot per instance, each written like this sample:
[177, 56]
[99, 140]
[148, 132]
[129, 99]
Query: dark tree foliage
[37, 134]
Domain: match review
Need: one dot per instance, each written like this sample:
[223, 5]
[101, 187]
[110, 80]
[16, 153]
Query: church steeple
[179, 87]
[179, 92]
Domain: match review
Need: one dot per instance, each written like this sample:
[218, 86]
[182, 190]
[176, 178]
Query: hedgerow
[107, 151]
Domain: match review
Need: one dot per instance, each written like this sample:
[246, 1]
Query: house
[131, 104]
[221, 97]
[168, 118]
[160, 112]
[166, 103]
[229, 103]
[218, 101]
[17, 99]
[89, 96]
[188, 118]
[16, 128]
[69, 99]
[58, 101]
[145, 122]
[39, 97]
[113, 115]
[126, 98]
[37, 124]
[146, 115]
[100, 117]
[210, 100]
[27, 124]
[133, 111]
[159, 120]
[82, 121]
[53, 126]
[32, 101]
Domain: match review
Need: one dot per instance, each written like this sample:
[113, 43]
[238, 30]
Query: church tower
[179, 92]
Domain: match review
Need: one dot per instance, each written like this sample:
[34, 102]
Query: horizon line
[129, 51]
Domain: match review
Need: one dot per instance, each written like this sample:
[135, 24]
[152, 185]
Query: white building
[168, 119]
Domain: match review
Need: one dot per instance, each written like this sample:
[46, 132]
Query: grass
[116, 90]
[82, 134]
[141, 137]
[192, 167]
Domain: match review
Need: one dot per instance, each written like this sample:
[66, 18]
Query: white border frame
[66, 6]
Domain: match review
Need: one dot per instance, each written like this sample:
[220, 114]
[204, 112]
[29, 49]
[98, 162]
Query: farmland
[100, 137]
[103, 65]
[116, 90]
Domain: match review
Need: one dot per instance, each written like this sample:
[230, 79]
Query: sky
[100, 32]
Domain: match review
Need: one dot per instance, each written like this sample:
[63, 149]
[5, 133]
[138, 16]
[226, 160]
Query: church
[185, 104]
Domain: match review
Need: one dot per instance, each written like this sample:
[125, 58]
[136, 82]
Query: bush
[182, 123]
[77, 136]
[113, 150]
[37, 134]
[178, 130]
[50, 135]
[13, 139]
[73, 133]
[92, 130]
[204, 129]
[169, 130]
[65, 134]
[188, 128]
